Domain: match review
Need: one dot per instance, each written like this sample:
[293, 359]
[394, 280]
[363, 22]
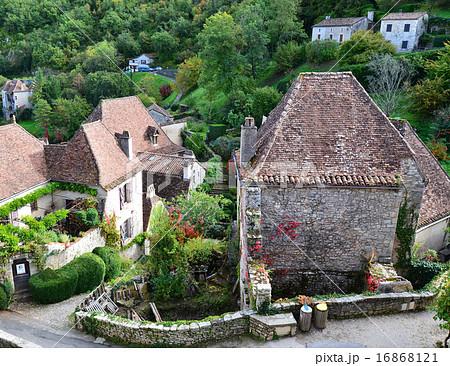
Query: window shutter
[131, 227]
[130, 192]
[122, 232]
[122, 197]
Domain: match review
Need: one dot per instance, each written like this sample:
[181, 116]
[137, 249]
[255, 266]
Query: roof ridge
[18, 125]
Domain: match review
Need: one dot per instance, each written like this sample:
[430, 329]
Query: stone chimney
[248, 141]
[370, 15]
[13, 118]
[126, 144]
[400, 11]
[327, 17]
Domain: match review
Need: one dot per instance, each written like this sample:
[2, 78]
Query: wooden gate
[21, 273]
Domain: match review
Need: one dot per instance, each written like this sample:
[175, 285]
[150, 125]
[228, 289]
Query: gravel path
[411, 330]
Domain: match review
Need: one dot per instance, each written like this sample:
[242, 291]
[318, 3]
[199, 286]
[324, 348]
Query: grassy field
[157, 79]
[32, 128]
[198, 99]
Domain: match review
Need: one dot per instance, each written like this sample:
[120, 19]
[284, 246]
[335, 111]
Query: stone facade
[339, 33]
[404, 41]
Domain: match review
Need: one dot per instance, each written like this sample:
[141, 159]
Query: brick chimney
[126, 144]
[327, 17]
[248, 141]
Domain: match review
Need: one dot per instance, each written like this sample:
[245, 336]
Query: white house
[403, 30]
[144, 59]
[15, 95]
[341, 29]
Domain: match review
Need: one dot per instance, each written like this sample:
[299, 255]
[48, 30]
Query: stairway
[221, 187]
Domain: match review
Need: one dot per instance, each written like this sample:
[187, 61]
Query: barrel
[320, 315]
[305, 318]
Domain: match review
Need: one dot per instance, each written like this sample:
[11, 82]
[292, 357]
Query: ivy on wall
[405, 232]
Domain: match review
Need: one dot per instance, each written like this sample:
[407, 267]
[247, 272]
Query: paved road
[39, 333]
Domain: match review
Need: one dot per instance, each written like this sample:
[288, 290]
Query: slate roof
[327, 130]
[404, 16]
[157, 108]
[166, 164]
[436, 197]
[129, 114]
[22, 160]
[336, 22]
[13, 86]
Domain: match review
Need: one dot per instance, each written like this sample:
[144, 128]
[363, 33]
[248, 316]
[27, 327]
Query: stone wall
[133, 252]
[360, 306]
[59, 254]
[334, 226]
[10, 341]
[146, 334]
[398, 35]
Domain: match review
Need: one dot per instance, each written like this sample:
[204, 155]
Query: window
[126, 194]
[127, 229]
[143, 62]
[388, 27]
[155, 139]
[14, 217]
[406, 29]
[405, 44]
[341, 38]
[331, 36]
[34, 206]
[318, 36]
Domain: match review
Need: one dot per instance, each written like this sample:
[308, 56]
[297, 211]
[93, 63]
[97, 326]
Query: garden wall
[200, 332]
[63, 255]
[133, 252]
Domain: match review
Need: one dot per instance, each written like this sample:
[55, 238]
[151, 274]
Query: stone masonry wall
[59, 254]
[335, 226]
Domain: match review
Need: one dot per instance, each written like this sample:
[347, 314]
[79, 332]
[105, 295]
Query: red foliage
[371, 283]
[165, 91]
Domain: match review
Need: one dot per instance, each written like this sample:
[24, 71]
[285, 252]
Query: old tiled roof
[22, 160]
[13, 86]
[163, 163]
[157, 108]
[404, 16]
[436, 197]
[129, 114]
[327, 130]
[336, 22]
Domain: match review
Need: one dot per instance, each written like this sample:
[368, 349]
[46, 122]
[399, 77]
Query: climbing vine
[405, 234]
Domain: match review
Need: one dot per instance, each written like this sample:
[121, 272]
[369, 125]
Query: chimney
[400, 11]
[13, 118]
[126, 144]
[186, 170]
[327, 17]
[370, 15]
[248, 141]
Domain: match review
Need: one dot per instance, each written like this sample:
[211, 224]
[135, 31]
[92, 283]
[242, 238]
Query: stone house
[341, 29]
[15, 95]
[144, 59]
[325, 176]
[165, 120]
[403, 30]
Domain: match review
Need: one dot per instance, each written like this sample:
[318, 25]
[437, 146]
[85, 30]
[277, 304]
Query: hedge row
[422, 272]
[112, 261]
[6, 292]
[82, 274]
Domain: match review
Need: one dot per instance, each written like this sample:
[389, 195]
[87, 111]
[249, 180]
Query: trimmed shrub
[216, 130]
[111, 259]
[3, 299]
[321, 50]
[422, 272]
[88, 217]
[51, 286]
[91, 271]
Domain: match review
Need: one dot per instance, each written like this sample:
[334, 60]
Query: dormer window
[155, 139]
[152, 133]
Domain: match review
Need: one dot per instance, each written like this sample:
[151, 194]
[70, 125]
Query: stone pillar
[249, 139]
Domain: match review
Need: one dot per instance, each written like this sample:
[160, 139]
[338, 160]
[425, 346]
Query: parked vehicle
[158, 68]
[144, 68]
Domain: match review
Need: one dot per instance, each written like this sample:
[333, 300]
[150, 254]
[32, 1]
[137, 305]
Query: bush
[321, 50]
[91, 271]
[3, 299]
[439, 41]
[422, 272]
[51, 286]
[111, 259]
[216, 130]
[289, 55]
[88, 217]
[199, 250]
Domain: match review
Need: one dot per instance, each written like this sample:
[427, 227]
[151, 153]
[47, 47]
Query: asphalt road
[39, 333]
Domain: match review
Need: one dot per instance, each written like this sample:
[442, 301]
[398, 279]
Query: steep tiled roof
[436, 197]
[22, 160]
[404, 16]
[157, 108]
[12, 86]
[327, 130]
[129, 114]
[336, 22]
[166, 164]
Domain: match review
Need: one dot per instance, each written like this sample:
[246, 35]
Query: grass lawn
[197, 99]
[157, 79]
[32, 127]
[446, 165]
[440, 13]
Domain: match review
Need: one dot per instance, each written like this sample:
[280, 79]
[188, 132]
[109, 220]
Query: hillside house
[171, 127]
[329, 168]
[15, 97]
[341, 29]
[144, 59]
[403, 30]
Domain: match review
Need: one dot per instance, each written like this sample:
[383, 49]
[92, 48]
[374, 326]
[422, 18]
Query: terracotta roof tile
[22, 160]
[12, 86]
[163, 163]
[335, 22]
[404, 16]
[327, 127]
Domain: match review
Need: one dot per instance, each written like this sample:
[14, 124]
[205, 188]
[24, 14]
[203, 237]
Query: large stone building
[341, 29]
[403, 30]
[327, 173]
[15, 97]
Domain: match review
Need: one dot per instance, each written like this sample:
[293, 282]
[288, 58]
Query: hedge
[422, 272]
[3, 299]
[439, 41]
[216, 130]
[91, 271]
[51, 286]
[112, 261]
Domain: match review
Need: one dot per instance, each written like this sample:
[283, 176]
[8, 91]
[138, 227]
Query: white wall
[173, 132]
[398, 35]
[336, 31]
[21, 99]
[197, 175]
[433, 236]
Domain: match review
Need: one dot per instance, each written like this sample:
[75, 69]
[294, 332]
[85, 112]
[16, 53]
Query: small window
[341, 38]
[155, 139]
[319, 30]
[127, 229]
[143, 62]
[34, 206]
[388, 27]
[406, 29]
[125, 194]
[331, 36]
[405, 44]
[318, 36]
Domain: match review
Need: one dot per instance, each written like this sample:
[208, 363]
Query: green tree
[288, 56]
[321, 50]
[127, 45]
[264, 100]
[220, 42]
[441, 306]
[68, 115]
[164, 44]
[101, 57]
[362, 46]
[43, 114]
[188, 74]
[108, 85]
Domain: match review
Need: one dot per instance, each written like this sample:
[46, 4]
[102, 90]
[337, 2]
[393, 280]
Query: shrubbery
[3, 299]
[321, 50]
[88, 217]
[111, 259]
[51, 286]
[421, 272]
[91, 271]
